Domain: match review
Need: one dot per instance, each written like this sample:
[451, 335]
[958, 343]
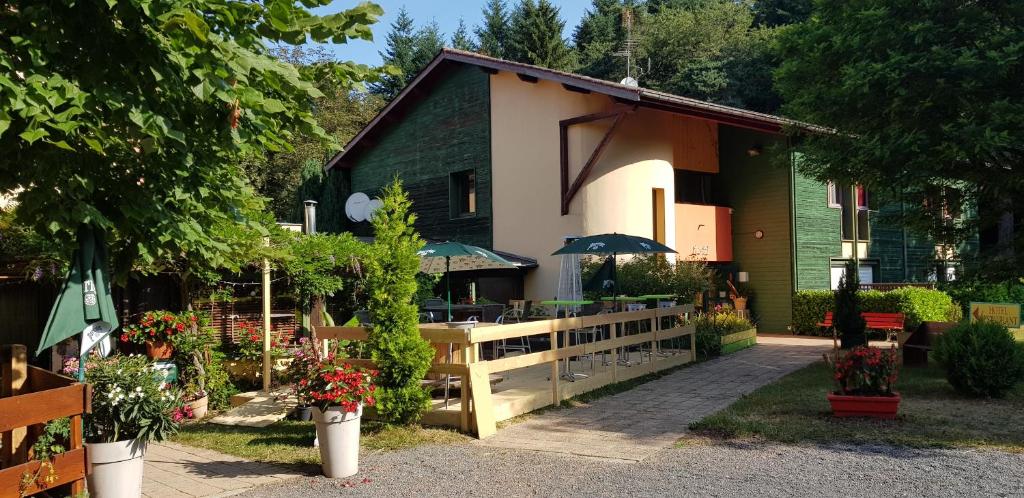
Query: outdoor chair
[593, 334]
[640, 327]
[434, 301]
[503, 346]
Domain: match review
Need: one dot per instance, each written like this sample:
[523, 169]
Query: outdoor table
[461, 310]
[658, 297]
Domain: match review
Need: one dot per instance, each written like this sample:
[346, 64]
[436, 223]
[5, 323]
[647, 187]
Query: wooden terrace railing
[29, 398]
[651, 328]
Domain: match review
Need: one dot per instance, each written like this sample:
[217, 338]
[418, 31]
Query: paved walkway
[173, 470]
[635, 424]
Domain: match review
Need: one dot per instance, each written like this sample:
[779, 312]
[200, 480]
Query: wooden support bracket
[569, 191]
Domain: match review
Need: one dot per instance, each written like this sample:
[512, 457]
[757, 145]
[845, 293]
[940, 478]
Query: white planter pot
[115, 469]
[338, 435]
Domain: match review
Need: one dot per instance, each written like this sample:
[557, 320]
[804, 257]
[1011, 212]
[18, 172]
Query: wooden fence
[29, 398]
[477, 412]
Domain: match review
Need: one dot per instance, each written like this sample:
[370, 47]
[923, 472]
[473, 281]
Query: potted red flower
[155, 329]
[865, 377]
[338, 391]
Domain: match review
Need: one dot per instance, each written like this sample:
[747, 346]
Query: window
[462, 192]
[862, 198]
[693, 187]
[833, 195]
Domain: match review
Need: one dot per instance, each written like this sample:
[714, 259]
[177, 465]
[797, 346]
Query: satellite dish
[355, 206]
[630, 81]
[372, 206]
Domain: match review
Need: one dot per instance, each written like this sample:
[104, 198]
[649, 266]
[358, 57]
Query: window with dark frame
[462, 193]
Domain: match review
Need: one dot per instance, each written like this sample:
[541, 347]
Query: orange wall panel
[704, 232]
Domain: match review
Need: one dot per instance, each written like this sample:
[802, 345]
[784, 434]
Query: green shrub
[847, 320]
[711, 327]
[653, 274]
[918, 304]
[218, 386]
[401, 355]
[964, 292]
[981, 359]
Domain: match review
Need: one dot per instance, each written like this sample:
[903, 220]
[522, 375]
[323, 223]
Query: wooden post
[467, 349]
[267, 360]
[77, 487]
[14, 376]
[555, 398]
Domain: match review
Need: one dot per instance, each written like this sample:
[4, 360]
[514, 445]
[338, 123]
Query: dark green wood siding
[817, 235]
[759, 193]
[446, 130]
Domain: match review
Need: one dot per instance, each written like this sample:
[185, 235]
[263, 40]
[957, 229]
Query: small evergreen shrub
[401, 355]
[848, 322]
[981, 359]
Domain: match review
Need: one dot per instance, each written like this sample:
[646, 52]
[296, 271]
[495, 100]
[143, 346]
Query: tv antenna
[628, 47]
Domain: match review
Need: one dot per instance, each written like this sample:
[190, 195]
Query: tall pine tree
[400, 53]
[598, 36]
[461, 38]
[427, 43]
[493, 34]
[536, 37]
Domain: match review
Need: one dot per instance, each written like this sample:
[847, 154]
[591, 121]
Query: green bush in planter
[981, 359]
[711, 327]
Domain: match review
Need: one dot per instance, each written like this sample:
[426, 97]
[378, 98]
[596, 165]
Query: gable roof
[639, 96]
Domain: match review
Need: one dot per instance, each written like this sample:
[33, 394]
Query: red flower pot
[884, 407]
[159, 350]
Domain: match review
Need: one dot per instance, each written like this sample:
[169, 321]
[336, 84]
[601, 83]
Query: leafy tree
[927, 98]
[132, 115]
[710, 52]
[461, 39]
[429, 41]
[494, 32]
[402, 356]
[319, 265]
[773, 13]
[847, 318]
[535, 36]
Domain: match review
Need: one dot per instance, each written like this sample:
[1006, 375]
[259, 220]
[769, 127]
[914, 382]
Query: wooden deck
[534, 380]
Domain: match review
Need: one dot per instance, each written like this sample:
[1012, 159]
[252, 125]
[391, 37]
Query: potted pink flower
[864, 378]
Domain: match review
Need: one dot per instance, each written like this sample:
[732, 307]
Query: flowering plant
[303, 367]
[159, 326]
[866, 371]
[337, 383]
[129, 402]
[249, 342]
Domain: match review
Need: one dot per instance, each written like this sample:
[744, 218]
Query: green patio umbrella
[446, 257]
[84, 305]
[613, 244]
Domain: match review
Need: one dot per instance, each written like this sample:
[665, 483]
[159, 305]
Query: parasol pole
[266, 320]
[448, 283]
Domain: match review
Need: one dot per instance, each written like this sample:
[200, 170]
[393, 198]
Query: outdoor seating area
[515, 368]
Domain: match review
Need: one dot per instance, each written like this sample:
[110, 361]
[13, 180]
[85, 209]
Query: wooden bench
[890, 323]
[917, 346]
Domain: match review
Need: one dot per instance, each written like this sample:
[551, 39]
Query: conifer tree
[493, 34]
[598, 36]
[400, 353]
[536, 36]
[461, 38]
[426, 44]
[847, 318]
[400, 52]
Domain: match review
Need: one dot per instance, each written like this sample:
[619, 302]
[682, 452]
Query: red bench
[890, 323]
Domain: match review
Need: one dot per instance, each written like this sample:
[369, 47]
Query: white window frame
[832, 195]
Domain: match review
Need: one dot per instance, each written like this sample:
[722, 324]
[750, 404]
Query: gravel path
[705, 469]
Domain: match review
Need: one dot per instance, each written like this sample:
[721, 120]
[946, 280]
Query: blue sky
[445, 12]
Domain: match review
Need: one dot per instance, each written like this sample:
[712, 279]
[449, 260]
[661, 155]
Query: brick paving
[635, 424]
[173, 470]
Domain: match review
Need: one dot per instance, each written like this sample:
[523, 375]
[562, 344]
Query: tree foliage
[847, 319]
[535, 36]
[402, 356]
[131, 115]
[407, 51]
[461, 39]
[493, 33]
[927, 100]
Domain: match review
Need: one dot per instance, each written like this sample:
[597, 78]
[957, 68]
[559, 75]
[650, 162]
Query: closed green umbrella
[446, 257]
[84, 305]
[614, 244]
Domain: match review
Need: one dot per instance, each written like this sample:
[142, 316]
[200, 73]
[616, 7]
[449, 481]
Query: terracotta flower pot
[884, 407]
[159, 350]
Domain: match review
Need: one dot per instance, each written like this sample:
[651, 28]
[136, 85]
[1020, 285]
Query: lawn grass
[291, 442]
[932, 414]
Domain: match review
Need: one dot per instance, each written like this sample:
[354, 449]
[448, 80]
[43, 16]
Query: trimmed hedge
[918, 304]
[966, 292]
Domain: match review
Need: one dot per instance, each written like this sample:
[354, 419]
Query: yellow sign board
[1005, 313]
